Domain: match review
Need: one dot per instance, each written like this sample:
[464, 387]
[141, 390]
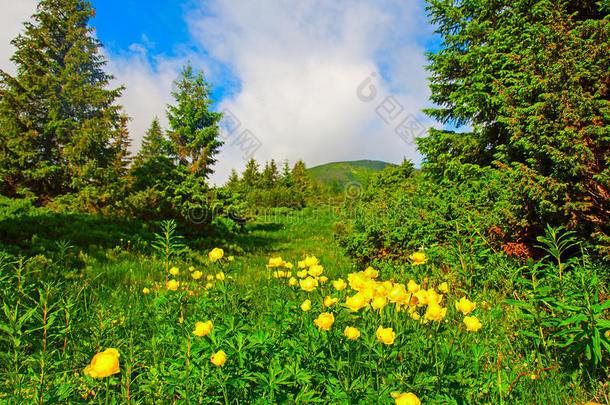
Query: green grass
[53, 324]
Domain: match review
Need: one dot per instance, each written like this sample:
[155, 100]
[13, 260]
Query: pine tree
[251, 176]
[194, 127]
[286, 179]
[154, 144]
[193, 137]
[531, 78]
[153, 165]
[233, 183]
[60, 128]
[270, 175]
[301, 179]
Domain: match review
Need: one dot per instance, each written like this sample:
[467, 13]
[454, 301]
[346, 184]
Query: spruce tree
[251, 176]
[270, 175]
[233, 183]
[194, 142]
[60, 128]
[153, 165]
[286, 179]
[194, 126]
[530, 77]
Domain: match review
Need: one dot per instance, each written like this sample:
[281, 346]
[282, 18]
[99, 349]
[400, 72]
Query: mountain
[341, 173]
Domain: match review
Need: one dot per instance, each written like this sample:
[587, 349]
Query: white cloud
[299, 65]
[14, 14]
[148, 87]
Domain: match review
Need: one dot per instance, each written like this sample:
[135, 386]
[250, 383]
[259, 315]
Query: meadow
[280, 314]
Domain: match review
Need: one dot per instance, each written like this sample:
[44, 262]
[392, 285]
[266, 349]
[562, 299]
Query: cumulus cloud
[148, 86]
[293, 70]
[299, 67]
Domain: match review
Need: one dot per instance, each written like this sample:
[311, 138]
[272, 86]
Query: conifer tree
[270, 175]
[531, 80]
[251, 176]
[60, 129]
[194, 126]
[153, 166]
[233, 182]
[286, 179]
[193, 137]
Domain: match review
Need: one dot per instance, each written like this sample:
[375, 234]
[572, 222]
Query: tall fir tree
[531, 79]
[233, 183]
[251, 176]
[270, 175]
[153, 165]
[60, 127]
[194, 141]
[194, 126]
[286, 179]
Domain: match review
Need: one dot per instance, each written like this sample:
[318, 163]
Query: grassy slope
[345, 172]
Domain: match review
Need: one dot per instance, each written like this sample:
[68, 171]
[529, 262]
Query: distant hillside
[345, 172]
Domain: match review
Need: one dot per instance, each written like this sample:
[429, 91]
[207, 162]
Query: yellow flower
[310, 261]
[398, 294]
[433, 296]
[292, 282]
[444, 288]
[339, 284]
[418, 258]
[412, 286]
[216, 254]
[435, 312]
[209, 277]
[301, 264]
[230, 258]
[406, 398]
[306, 305]
[415, 316]
[191, 268]
[351, 333]
[289, 266]
[278, 274]
[472, 323]
[174, 271]
[172, 285]
[220, 276]
[357, 281]
[323, 279]
[330, 301]
[325, 320]
[316, 270]
[371, 272]
[379, 302]
[203, 328]
[181, 319]
[356, 302]
[219, 358]
[145, 290]
[302, 273]
[275, 262]
[309, 284]
[465, 306]
[196, 275]
[209, 285]
[385, 335]
[104, 364]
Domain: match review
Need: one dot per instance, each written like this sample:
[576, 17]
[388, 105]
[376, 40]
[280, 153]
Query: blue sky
[289, 72]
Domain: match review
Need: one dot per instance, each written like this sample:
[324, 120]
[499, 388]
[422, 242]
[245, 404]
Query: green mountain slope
[341, 173]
